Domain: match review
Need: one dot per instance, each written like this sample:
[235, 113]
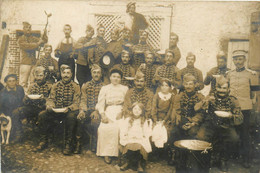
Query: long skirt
[108, 134]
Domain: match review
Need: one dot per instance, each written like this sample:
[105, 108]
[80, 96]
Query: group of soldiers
[187, 113]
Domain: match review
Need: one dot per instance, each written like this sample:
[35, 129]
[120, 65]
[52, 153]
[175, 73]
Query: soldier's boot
[223, 165]
[42, 145]
[78, 145]
[67, 147]
[171, 156]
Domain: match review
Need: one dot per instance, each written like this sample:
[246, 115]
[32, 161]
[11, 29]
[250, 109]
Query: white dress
[136, 133]
[110, 102]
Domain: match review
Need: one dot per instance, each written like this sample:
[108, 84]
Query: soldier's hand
[81, 115]
[104, 118]
[178, 120]
[66, 110]
[49, 108]
[94, 115]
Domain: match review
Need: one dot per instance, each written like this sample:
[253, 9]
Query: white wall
[200, 25]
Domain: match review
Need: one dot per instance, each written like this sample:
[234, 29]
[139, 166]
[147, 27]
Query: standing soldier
[221, 69]
[65, 50]
[174, 39]
[190, 59]
[28, 45]
[240, 80]
[95, 53]
[81, 46]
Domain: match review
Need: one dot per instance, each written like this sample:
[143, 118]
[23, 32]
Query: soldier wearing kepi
[81, 46]
[32, 107]
[221, 69]
[65, 50]
[64, 94]
[221, 129]
[174, 39]
[87, 114]
[28, 44]
[240, 80]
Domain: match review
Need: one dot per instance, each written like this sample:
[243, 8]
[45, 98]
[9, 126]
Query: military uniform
[128, 71]
[149, 72]
[83, 70]
[32, 108]
[240, 81]
[195, 72]
[221, 131]
[133, 95]
[177, 54]
[138, 58]
[64, 52]
[88, 101]
[51, 68]
[28, 46]
[95, 53]
[166, 71]
[62, 95]
[212, 80]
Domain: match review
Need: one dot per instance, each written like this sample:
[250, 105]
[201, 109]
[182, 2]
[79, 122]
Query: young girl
[134, 138]
[161, 112]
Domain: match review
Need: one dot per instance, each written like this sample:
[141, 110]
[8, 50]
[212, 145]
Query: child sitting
[127, 69]
[134, 138]
[148, 69]
[161, 112]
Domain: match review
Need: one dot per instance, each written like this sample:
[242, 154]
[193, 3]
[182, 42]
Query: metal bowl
[59, 110]
[196, 145]
[223, 114]
[34, 96]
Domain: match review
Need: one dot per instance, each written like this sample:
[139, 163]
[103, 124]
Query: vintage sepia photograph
[109, 86]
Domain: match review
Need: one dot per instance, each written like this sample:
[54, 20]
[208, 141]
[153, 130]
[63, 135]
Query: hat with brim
[238, 53]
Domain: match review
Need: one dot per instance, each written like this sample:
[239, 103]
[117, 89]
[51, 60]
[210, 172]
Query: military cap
[222, 55]
[237, 53]
[26, 24]
[189, 77]
[95, 67]
[130, 4]
[221, 80]
[64, 67]
[139, 75]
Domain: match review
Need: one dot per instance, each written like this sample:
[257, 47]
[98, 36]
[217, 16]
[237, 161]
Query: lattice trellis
[108, 21]
[154, 29]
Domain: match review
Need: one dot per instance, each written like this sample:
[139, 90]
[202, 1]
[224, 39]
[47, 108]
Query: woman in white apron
[109, 106]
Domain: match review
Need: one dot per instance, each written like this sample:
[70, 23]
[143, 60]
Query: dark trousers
[83, 74]
[244, 131]
[47, 123]
[221, 138]
[89, 126]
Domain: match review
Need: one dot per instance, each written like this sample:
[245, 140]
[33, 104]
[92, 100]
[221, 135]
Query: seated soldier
[87, 114]
[126, 68]
[148, 69]
[32, 107]
[11, 98]
[187, 112]
[64, 94]
[50, 65]
[221, 131]
[190, 59]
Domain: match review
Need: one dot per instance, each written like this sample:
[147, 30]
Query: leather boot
[42, 145]
[223, 165]
[67, 147]
[78, 145]
[140, 168]
[171, 155]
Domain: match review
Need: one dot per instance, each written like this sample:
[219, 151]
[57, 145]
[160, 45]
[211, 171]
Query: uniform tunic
[240, 82]
[166, 71]
[139, 57]
[195, 72]
[128, 71]
[95, 53]
[28, 46]
[133, 95]
[51, 68]
[149, 72]
[212, 80]
[110, 101]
